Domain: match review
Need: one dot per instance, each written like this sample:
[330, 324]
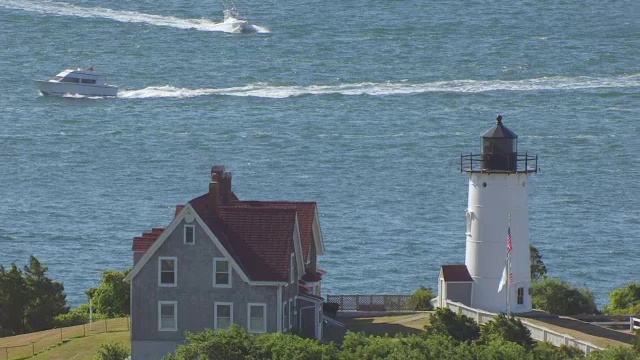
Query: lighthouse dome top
[499, 131]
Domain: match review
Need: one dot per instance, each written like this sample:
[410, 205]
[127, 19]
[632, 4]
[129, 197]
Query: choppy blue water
[361, 106]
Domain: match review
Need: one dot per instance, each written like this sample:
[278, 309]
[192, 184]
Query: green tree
[538, 268]
[46, 297]
[113, 297]
[278, 346]
[614, 353]
[112, 351]
[233, 343]
[421, 299]
[559, 297]
[13, 298]
[445, 322]
[546, 351]
[500, 349]
[624, 301]
[506, 328]
[446, 347]
[358, 346]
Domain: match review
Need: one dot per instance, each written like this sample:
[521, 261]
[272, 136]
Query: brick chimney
[225, 188]
[214, 192]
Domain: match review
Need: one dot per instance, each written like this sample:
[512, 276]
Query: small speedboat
[237, 22]
[77, 82]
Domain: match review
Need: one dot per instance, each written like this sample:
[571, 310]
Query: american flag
[509, 240]
[510, 278]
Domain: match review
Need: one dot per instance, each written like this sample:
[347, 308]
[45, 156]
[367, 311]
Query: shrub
[421, 299]
[77, 316]
[445, 322]
[559, 297]
[112, 351]
[624, 301]
[547, 351]
[508, 329]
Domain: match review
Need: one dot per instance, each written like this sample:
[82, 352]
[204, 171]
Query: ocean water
[363, 107]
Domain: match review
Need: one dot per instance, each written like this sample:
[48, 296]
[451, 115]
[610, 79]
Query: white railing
[633, 323]
[538, 332]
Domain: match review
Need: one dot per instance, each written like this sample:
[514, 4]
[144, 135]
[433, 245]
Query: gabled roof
[456, 273]
[260, 240]
[144, 242]
[306, 216]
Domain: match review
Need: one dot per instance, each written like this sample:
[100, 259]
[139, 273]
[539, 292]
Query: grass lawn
[84, 348]
[75, 342]
[391, 325]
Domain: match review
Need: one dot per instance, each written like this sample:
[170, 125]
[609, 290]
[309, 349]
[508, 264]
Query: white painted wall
[492, 198]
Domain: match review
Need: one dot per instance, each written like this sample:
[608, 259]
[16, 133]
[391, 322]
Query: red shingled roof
[458, 272]
[257, 234]
[260, 239]
[306, 214]
[144, 242]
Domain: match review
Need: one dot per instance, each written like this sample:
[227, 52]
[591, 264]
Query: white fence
[632, 324]
[538, 332]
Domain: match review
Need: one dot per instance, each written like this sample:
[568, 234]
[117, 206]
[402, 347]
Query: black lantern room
[499, 153]
[499, 148]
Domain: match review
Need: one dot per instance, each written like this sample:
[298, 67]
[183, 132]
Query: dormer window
[189, 235]
[167, 271]
[221, 273]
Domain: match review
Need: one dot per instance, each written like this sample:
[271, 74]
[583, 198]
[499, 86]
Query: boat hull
[61, 89]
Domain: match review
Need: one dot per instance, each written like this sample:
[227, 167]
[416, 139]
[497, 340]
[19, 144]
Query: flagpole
[509, 271]
[506, 291]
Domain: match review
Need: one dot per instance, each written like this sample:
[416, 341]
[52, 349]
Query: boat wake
[399, 88]
[66, 9]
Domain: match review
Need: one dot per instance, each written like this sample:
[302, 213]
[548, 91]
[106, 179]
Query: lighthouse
[497, 233]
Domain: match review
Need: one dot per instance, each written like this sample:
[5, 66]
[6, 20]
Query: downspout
[279, 309]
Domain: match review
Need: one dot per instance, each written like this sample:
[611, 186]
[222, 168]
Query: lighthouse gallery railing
[525, 163]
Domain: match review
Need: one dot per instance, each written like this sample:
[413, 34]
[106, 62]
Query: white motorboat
[77, 82]
[237, 22]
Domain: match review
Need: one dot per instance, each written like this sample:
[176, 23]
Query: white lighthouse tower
[498, 205]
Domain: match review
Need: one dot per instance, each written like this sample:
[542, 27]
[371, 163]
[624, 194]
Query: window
[257, 318]
[221, 273]
[223, 315]
[520, 296]
[285, 315]
[290, 313]
[469, 221]
[167, 271]
[167, 315]
[70, 80]
[87, 81]
[189, 234]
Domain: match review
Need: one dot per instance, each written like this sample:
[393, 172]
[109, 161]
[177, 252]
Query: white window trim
[175, 315]
[215, 313]
[184, 234]
[175, 271]
[291, 268]
[264, 320]
[291, 313]
[215, 261]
